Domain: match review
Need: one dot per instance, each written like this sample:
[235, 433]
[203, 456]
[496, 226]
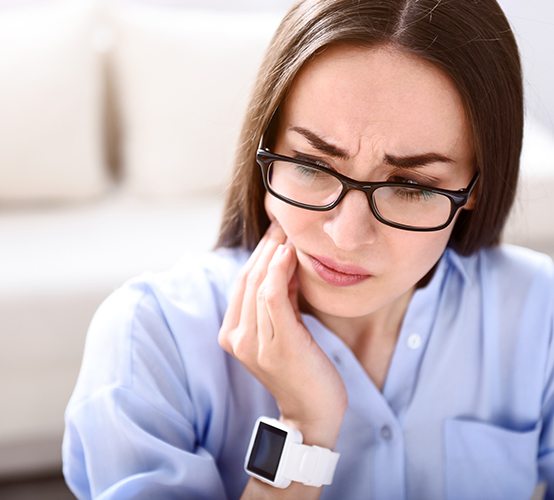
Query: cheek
[419, 252]
[295, 221]
[269, 204]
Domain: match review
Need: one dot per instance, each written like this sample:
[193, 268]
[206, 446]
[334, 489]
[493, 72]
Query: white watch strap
[310, 465]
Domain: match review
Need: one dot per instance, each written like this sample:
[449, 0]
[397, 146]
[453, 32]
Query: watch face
[266, 451]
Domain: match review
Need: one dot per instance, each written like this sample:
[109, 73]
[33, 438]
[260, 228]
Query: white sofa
[117, 131]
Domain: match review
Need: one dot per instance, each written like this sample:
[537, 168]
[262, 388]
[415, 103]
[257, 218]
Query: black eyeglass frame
[458, 198]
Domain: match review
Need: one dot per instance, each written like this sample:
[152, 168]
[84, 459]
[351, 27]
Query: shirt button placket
[389, 475]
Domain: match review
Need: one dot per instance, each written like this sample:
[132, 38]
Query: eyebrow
[321, 144]
[421, 160]
[409, 161]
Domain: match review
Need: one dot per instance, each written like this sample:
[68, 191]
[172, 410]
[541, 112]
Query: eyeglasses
[412, 207]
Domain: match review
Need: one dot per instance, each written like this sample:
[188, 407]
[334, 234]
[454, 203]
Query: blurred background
[118, 122]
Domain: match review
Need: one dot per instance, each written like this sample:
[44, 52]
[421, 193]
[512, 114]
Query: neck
[381, 326]
[372, 338]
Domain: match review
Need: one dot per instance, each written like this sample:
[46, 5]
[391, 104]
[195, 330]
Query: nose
[351, 224]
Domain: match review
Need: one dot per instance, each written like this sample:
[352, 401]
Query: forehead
[354, 92]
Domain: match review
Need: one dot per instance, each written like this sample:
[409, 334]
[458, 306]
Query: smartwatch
[277, 456]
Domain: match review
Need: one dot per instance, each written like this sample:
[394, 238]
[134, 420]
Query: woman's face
[350, 108]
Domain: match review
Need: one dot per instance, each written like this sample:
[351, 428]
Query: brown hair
[470, 40]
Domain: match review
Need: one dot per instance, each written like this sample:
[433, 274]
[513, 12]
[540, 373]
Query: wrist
[278, 455]
[322, 432]
[319, 424]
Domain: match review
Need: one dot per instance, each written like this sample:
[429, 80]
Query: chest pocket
[484, 461]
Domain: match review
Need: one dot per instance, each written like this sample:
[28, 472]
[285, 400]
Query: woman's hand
[263, 329]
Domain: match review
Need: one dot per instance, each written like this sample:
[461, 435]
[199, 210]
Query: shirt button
[414, 341]
[386, 433]
[336, 358]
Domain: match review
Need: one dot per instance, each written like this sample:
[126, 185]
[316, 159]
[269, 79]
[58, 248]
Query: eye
[306, 171]
[414, 191]
[414, 194]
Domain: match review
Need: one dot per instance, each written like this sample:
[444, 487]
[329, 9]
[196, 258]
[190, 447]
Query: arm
[118, 445]
[131, 426]
[546, 442]
[263, 329]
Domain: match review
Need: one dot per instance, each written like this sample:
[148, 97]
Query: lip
[338, 274]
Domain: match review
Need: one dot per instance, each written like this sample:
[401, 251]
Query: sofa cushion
[50, 97]
[530, 222]
[57, 266]
[182, 81]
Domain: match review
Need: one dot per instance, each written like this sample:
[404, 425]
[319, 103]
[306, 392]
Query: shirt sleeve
[546, 444]
[132, 429]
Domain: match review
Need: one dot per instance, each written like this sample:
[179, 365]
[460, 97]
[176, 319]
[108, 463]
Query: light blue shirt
[466, 412]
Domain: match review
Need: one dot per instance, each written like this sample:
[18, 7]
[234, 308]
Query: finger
[258, 270]
[281, 311]
[232, 315]
[238, 329]
[292, 278]
[293, 262]
[253, 283]
[259, 247]
[264, 325]
[266, 333]
[294, 285]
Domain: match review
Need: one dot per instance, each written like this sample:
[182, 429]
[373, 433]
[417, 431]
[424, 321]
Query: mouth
[338, 274]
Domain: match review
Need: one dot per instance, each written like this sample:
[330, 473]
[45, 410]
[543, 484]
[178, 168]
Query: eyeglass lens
[407, 205]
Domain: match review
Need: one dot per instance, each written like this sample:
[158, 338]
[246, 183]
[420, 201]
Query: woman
[358, 293]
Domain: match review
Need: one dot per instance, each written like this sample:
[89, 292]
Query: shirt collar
[457, 263]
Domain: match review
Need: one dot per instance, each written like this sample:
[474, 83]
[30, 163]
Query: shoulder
[203, 282]
[522, 260]
[506, 289]
[513, 269]
[156, 323]
[508, 294]
[502, 299]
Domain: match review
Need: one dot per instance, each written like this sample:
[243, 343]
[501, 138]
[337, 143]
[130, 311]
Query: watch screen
[266, 451]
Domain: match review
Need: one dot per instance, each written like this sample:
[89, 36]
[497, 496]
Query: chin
[346, 311]
[339, 302]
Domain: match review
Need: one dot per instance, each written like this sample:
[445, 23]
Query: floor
[47, 487]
